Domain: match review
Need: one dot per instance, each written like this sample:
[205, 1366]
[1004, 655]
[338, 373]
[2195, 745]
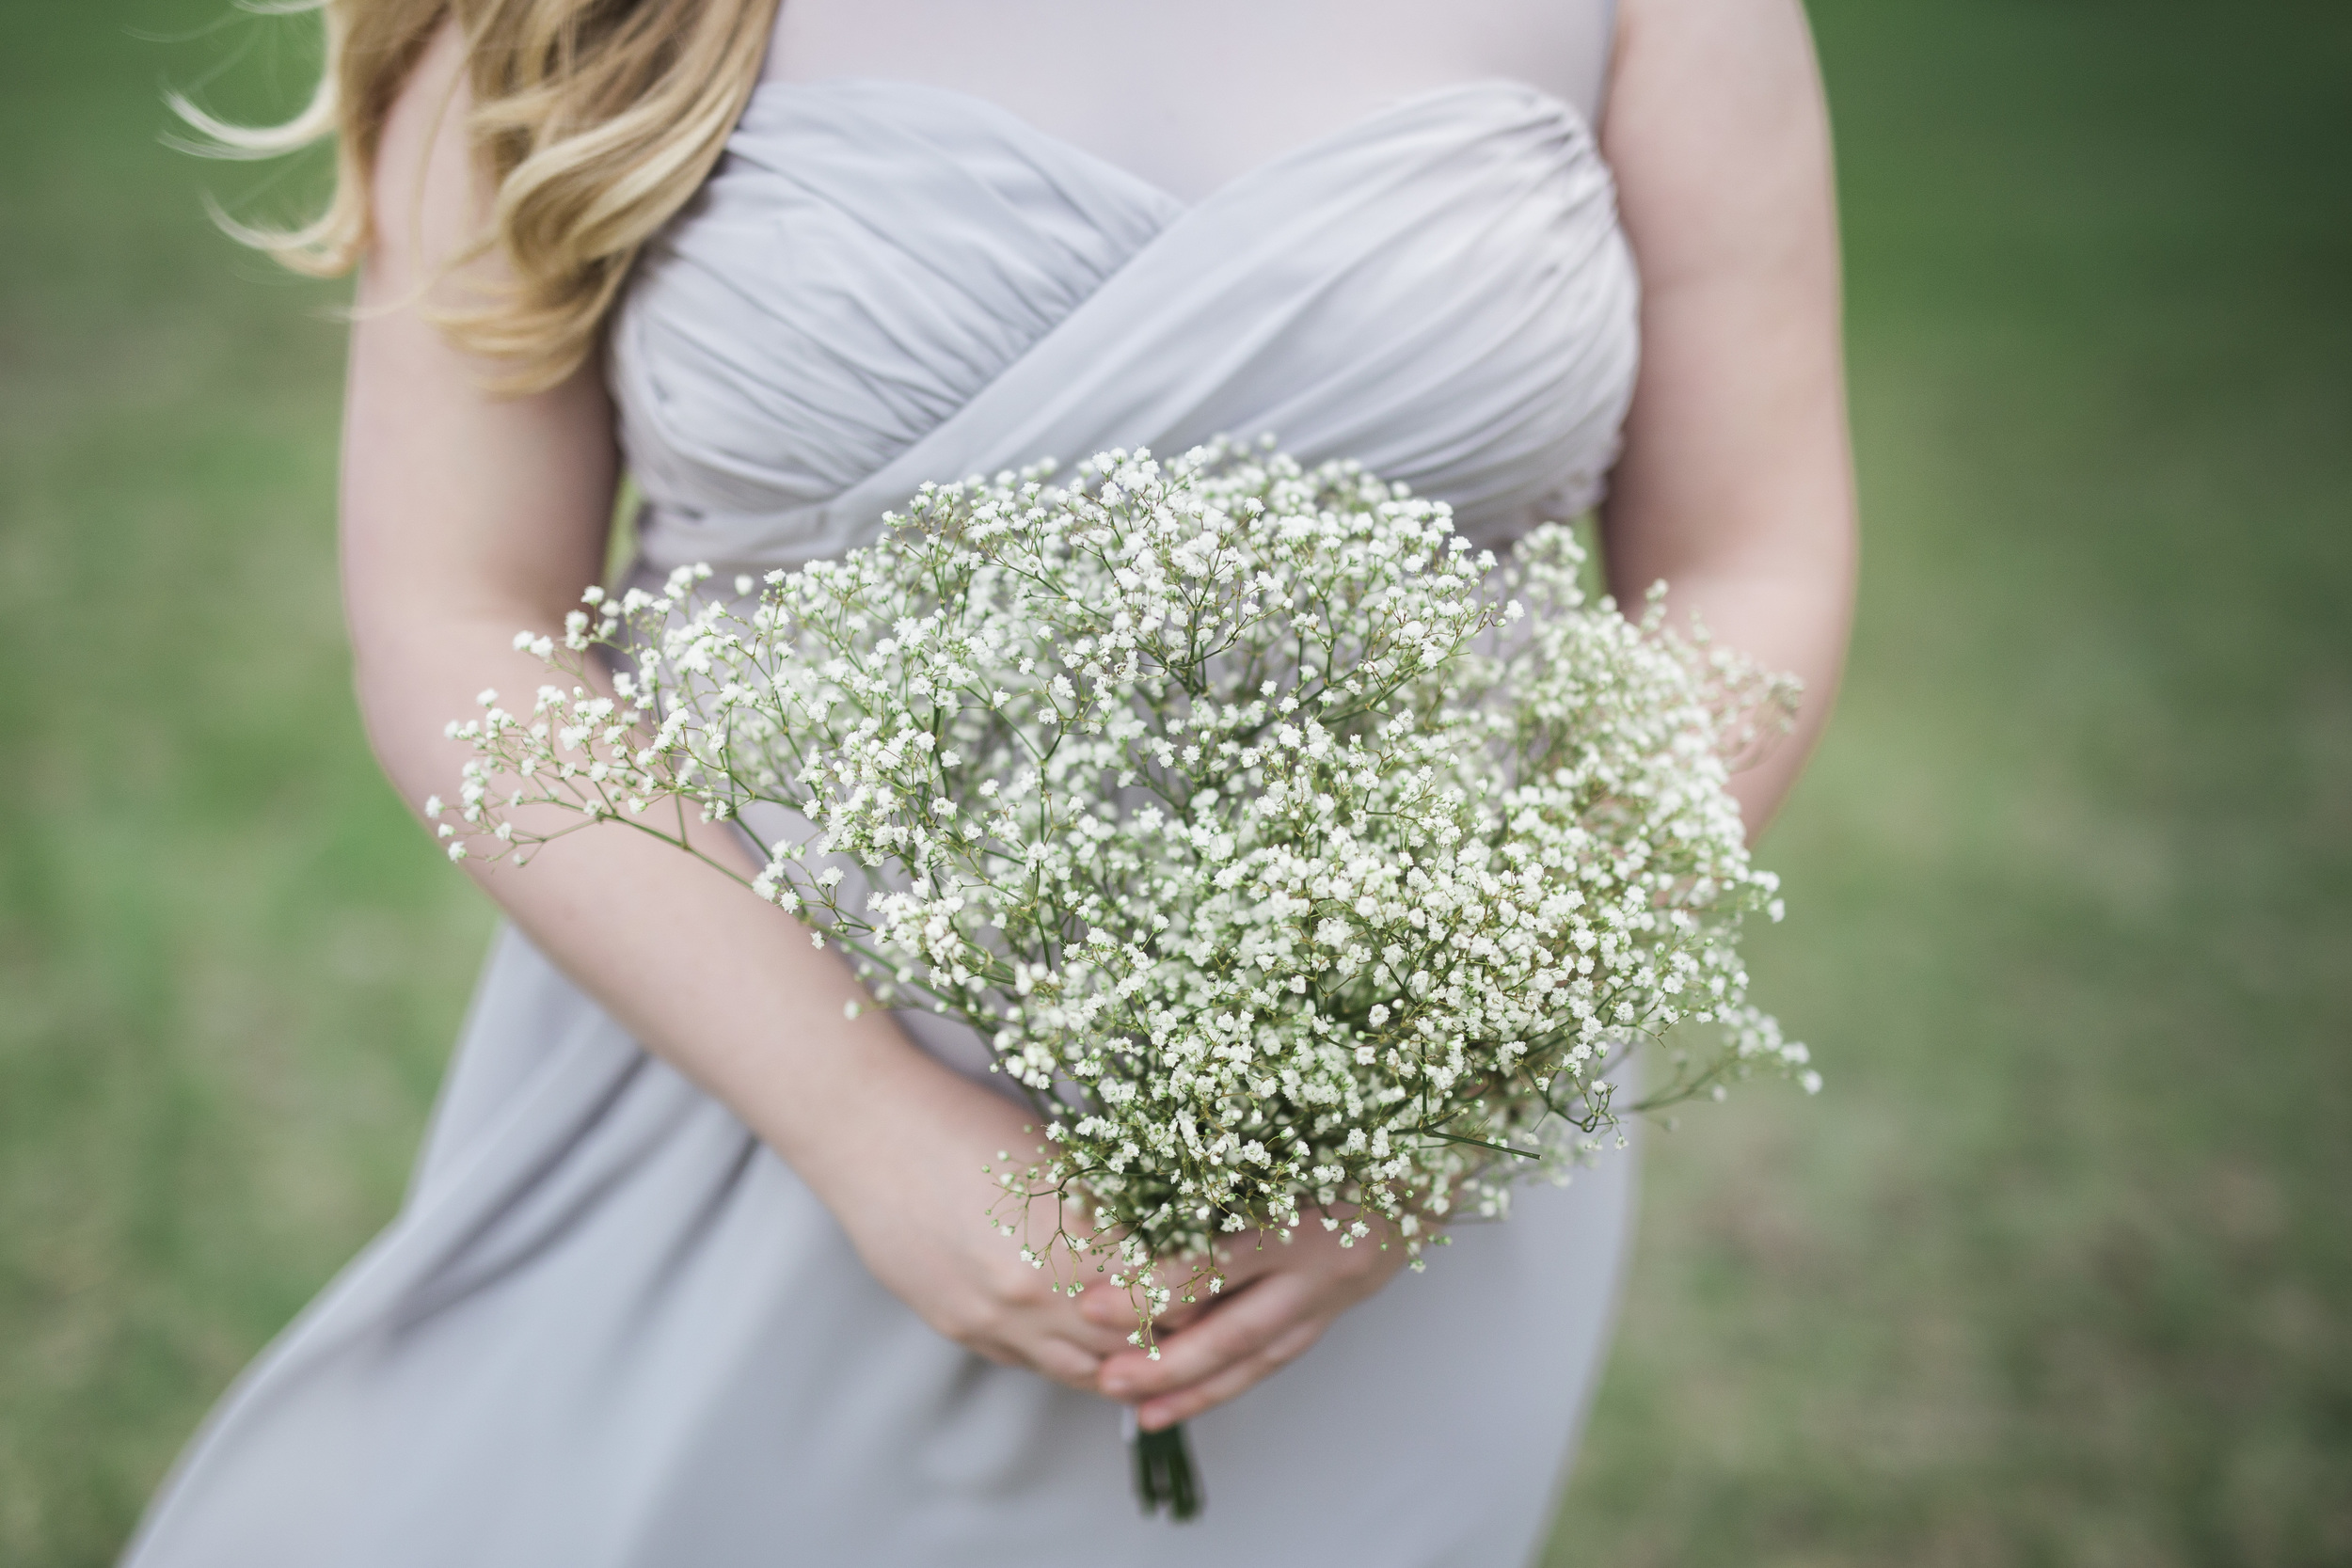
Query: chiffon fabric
[609, 1327]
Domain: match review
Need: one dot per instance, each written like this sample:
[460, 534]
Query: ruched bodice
[883, 284]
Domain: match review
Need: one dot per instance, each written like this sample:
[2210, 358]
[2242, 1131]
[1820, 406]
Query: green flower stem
[1165, 1478]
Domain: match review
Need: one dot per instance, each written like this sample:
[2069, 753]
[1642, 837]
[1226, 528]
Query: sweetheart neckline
[1320, 145]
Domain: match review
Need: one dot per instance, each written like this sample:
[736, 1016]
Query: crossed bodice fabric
[884, 284]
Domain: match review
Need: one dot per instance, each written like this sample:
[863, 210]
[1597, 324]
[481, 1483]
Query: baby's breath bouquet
[1298, 866]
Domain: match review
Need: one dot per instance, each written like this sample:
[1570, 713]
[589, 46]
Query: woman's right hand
[925, 1216]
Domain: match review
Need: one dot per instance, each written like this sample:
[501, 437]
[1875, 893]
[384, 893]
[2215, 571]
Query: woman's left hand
[1277, 1300]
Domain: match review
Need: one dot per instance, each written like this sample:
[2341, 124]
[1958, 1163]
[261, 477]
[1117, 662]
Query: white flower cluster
[1296, 871]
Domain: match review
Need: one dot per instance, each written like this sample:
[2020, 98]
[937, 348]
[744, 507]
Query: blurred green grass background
[2057, 1271]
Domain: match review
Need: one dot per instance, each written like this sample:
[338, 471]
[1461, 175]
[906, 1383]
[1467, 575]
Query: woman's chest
[1190, 97]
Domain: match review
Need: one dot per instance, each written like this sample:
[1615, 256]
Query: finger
[1050, 1317]
[1235, 1262]
[1098, 1345]
[1071, 1365]
[1214, 1390]
[1016, 1327]
[1038, 1347]
[1030, 1302]
[1120, 1315]
[1108, 1304]
[1113, 1306]
[1118, 1309]
[1044, 1347]
[1241, 1326]
[1251, 1255]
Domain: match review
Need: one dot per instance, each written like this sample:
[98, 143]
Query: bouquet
[1298, 865]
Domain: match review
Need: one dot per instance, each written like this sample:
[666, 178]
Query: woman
[694, 1268]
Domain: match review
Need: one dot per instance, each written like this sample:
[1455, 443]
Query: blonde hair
[593, 121]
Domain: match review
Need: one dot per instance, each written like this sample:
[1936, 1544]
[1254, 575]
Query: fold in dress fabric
[610, 1329]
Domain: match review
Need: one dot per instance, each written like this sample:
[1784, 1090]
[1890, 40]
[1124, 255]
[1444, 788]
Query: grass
[2054, 1273]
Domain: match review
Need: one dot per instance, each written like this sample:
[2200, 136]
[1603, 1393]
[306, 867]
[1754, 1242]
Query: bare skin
[467, 517]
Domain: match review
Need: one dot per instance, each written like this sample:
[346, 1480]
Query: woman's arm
[1737, 485]
[1734, 486]
[466, 517]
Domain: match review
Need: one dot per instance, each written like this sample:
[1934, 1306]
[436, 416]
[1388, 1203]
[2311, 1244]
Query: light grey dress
[609, 1327]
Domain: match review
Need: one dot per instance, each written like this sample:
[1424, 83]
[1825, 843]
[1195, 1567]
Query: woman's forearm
[1791, 622]
[723, 985]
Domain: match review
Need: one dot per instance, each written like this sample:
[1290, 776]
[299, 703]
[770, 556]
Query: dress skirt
[610, 1329]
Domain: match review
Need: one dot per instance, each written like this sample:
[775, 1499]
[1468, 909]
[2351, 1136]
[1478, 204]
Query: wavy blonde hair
[593, 121]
